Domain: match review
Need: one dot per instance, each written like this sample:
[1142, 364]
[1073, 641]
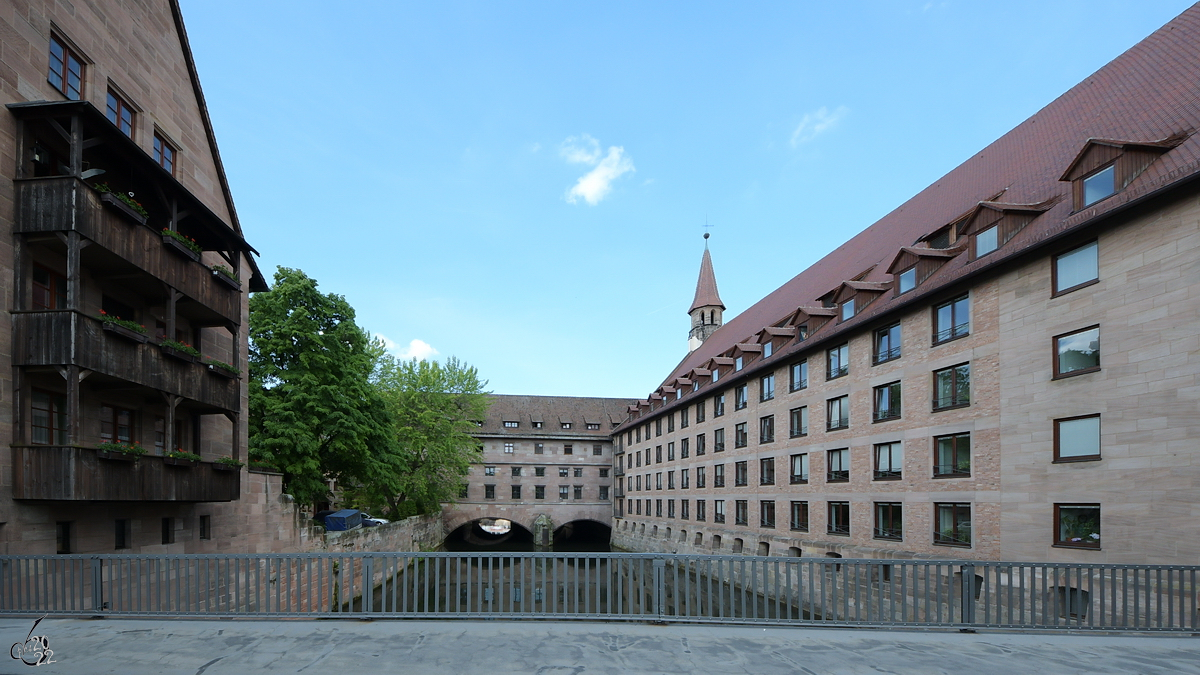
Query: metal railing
[609, 586]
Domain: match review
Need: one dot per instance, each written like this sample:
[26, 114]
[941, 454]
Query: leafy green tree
[435, 409]
[314, 410]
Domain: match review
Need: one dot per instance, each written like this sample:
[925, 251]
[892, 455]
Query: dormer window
[986, 241]
[908, 280]
[716, 374]
[537, 425]
[802, 332]
[511, 425]
[1099, 185]
[737, 364]
[566, 425]
[678, 394]
[768, 349]
[940, 240]
[848, 309]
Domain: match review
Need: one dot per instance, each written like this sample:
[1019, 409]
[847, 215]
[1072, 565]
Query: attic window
[511, 425]
[592, 426]
[940, 240]
[716, 374]
[737, 364]
[908, 280]
[802, 332]
[537, 425]
[678, 394]
[1099, 185]
[768, 349]
[986, 241]
[848, 309]
[566, 425]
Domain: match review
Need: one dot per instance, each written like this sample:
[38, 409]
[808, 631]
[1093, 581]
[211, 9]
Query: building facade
[127, 302]
[547, 462]
[1005, 368]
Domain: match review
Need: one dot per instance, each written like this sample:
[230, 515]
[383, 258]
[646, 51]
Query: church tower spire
[707, 306]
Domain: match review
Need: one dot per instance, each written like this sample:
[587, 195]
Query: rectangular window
[700, 445]
[887, 344]
[597, 450]
[986, 241]
[718, 510]
[671, 451]
[699, 412]
[799, 517]
[683, 418]
[837, 465]
[658, 508]
[889, 521]
[509, 448]
[700, 510]
[740, 474]
[578, 492]
[604, 473]
[1099, 185]
[802, 332]
[952, 387]
[1077, 353]
[719, 475]
[887, 402]
[537, 425]
[564, 491]
[489, 491]
[511, 425]
[592, 426]
[464, 490]
[116, 424]
[578, 472]
[637, 505]
[848, 309]
[738, 363]
[952, 455]
[164, 154]
[766, 471]
[1077, 525]
[657, 428]
[718, 440]
[889, 461]
[539, 492]
[684, 448]
[798, 376]
[670, 480]
[839, 519]
[798, 422]
[670, 422]
[539, 471]
[489, 471]
[766, 429]
[1076, 268]
[798, 469]
[683, 479]
[168, 530]
[49, 289]
[49, 418]
[563, 472]
[122, 532]
[565, 425]
[516, 492]
[683, 509]
[66, 70]
[568, 449]
[908, 280]
[741, 512]
[952, 526]
[516, 471]
[952, 320]
[739, 397]
[768, 349]
[837, 362]
[766, 387]
[539, 448]
[1077, 438]
[739, 435]
[657, 454]
[699, 477]
[718, 405]
[603, 493]
[837, 413]
[716, 374]
[658, 481]
[670, 508]
[766, 514]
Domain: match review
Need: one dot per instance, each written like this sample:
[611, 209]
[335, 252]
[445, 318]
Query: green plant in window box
[184, 455]
[221, 269]
[123, 323]
[124, 197]
[262, 465]
[223, 366]
[228, 464]
[119, 448]
[183, 239]
[180, 347]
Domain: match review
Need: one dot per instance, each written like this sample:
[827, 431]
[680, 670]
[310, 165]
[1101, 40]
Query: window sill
[1073, 460]
[937, 342]
[838, 534]
[1064, 291]
[770, 483]
[1073, 373]
[837, 480]
[955, 406]
[798, 481]
[951, 544]
[951, 475]
[881, 478]
[799, 529]
[878, 538]
[880, 362]
[1076, 548]
[877, 420]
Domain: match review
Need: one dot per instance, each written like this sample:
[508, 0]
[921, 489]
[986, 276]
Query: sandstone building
[127, 295]
[1005, 367]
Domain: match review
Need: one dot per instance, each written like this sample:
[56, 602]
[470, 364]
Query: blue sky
[525, 185]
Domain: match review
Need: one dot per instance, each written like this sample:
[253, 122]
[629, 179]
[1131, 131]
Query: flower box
[227, 280]
[116, 456]
[124, 332]
[183, 463]
[220, 466]
[218, 370]
[179, 247]
[122, 208]
[177, 354]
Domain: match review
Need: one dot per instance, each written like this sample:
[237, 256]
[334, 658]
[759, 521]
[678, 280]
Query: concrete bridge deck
[217, 647]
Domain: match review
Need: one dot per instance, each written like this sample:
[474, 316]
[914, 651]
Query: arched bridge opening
[489, 535]
[583, 536]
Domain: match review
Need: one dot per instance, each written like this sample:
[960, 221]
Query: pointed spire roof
[706, 285]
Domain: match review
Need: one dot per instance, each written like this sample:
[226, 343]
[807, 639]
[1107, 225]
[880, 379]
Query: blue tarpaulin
[346, 519]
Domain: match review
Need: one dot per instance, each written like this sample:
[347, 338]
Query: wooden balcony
[64, 203]
[64, 338]
[56, 473]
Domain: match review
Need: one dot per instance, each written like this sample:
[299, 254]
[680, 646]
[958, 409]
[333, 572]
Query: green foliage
[314, 411]
[434, 407]
[123, 323]
[180, 347]
[126, 198]
[223, 366]
[183, 454]
[183, 239]
[229, 461]
[123, 448]
[221, 269]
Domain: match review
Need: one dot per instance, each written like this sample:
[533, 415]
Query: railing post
[660, 592]
[368, 585]
[968, 594]
[97, 587]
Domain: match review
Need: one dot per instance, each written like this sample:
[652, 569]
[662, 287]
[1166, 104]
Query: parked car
[371, 521]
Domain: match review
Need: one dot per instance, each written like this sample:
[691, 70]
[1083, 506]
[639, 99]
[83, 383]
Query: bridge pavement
[216, 647]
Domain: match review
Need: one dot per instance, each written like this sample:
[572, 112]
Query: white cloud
[815, 123]
[417, 349]
[594, 185]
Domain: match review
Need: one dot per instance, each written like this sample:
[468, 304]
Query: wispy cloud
[817, 122]
[594, 185]
[416, 349]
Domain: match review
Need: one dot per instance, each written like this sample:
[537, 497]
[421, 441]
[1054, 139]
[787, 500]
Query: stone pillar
[543, 533]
